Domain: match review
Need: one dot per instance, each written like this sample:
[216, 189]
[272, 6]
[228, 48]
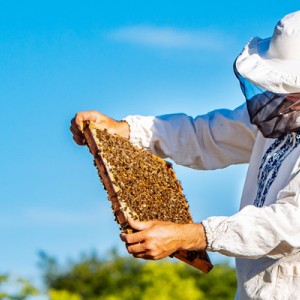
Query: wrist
[124, 129]
[194, 237]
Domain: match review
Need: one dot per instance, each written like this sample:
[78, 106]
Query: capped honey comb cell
[140, 185]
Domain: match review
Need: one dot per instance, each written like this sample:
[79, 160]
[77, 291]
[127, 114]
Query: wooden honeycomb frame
[142, 186]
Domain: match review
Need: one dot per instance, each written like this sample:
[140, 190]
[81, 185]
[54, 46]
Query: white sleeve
[215, 140]
[254, 232]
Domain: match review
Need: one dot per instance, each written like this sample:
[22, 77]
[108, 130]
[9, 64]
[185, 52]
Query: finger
[91, 116]
[80, 140]
[143, 256]
[77, 127]
[137, 225]
[78, 137]
[123, 237]
[135, 248]
[132, 238]
[78, 121]
[146, 255]
[74, 128]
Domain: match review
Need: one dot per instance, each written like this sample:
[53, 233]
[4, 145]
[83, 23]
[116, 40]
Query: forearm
[192, 237]
[207, 142]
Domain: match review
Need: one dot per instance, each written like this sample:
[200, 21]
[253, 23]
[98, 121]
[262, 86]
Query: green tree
[63, 295]
[123, 278]
[219, 284]
[166, 280]
[93, 277]
[22, 288]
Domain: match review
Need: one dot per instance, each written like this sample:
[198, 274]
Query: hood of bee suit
[274, 63]
[269, 74]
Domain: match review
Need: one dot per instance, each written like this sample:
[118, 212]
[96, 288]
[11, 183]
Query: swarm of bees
[141, 185]
[145, 185]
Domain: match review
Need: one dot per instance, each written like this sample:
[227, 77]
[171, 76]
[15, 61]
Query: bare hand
[100, 121]
[157, 239]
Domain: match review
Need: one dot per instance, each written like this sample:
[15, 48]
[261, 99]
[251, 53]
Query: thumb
[137, 225]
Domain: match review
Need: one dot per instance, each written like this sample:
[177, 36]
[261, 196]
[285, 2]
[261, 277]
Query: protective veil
[274, 114]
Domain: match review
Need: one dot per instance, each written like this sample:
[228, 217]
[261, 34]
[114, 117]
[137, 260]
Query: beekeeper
[264, 236]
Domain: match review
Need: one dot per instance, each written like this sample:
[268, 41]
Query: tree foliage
[123, 278]
[15, 288]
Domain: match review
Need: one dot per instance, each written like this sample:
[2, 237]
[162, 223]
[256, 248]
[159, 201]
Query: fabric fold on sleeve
[210, 141]
[140, 130]
[272, 231]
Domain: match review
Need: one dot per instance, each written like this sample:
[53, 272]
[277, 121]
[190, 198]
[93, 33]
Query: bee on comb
[142, 186]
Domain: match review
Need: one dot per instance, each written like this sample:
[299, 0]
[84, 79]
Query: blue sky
[119, 57]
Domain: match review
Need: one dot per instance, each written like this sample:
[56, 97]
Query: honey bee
[147, 184]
